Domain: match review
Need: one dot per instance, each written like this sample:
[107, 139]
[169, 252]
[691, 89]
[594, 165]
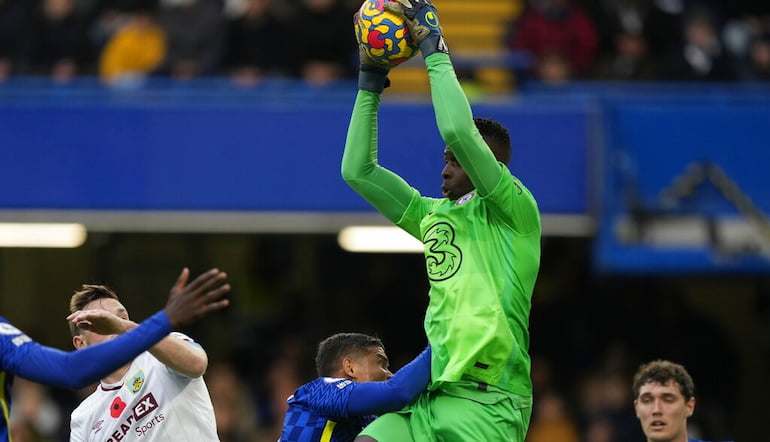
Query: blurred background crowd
[249, 40]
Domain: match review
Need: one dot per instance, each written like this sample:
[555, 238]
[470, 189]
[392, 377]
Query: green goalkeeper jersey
[482, 251]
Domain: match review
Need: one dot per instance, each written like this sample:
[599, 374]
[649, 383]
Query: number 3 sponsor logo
[443, 257]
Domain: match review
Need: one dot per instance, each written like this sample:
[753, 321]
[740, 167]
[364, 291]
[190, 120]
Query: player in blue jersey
[354, 386]
[21, 356]
[664, 397]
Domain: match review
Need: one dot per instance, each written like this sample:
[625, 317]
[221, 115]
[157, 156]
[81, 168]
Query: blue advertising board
[210, 150]
[685, 185]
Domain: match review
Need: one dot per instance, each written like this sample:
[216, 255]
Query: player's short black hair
[496, 136]
[332, 349]
[662, 372]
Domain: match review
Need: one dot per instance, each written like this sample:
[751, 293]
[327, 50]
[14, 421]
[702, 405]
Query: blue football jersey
[20, 355]
[11, 351]
[318, 412]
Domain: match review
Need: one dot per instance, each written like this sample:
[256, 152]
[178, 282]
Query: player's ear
[348, 367]
[690, 406]
[78, 342]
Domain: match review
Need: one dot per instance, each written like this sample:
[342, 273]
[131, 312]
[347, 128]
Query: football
[383, 35]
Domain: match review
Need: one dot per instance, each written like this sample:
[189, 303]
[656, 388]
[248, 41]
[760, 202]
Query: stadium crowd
[248, 40]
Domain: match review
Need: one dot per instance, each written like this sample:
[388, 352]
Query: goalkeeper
[482, 254]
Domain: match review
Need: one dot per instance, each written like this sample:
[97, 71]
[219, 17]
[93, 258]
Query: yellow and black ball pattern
[383, 35]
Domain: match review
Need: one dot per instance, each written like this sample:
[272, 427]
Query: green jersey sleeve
[489, 177]
[383, 189]
[455, 122]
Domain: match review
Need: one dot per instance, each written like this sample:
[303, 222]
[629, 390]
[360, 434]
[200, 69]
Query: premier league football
[383, 35]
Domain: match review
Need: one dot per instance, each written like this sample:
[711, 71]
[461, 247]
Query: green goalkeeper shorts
[457, 411]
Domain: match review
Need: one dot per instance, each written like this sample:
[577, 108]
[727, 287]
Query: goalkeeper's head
[496, 136]
[456, 182]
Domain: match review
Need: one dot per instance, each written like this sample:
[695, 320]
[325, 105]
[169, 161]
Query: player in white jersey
[159, 396]
[150, 403]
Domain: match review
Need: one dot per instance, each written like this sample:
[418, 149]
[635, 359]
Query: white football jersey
[151, 403]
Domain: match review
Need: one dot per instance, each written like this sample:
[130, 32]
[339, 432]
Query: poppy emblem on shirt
[135, 382]
[117, 407]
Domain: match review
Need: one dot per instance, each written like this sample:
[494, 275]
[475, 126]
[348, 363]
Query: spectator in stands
[615, 16]
[59, 45]
[285, 373]
[605, 399]
[135, 50]
[254, 50]
[701, 56]
[13, 23]
[659, 28]
[744, 37]
[35, 415]
[759, 60]
[553, 68]
[630, 60]
[557, 27]
[599, 429]
[320, 41]
[551, 420]
[105, 17]
[195, 33]
[234, 408]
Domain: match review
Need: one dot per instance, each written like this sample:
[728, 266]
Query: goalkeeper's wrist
[372, 78]
[431, 44]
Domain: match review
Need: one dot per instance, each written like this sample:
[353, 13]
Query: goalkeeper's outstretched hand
[423, 23]
[372, 75]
